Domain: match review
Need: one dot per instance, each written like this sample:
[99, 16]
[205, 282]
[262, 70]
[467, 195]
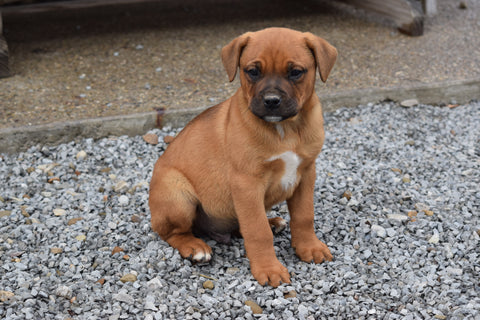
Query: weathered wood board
[4, 70]
[406, 17]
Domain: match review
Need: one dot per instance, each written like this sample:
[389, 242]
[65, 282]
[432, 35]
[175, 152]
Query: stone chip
[151, 138]
[256, 309]
[129, 277]
[208, 284]
[6, 295]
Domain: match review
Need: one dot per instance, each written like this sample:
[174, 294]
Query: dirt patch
[125, 59]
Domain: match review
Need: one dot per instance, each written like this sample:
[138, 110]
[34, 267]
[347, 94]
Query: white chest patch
[292, 161]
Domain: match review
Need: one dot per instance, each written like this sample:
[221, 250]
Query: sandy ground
[125, 59]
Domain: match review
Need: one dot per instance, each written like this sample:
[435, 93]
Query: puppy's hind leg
[277, 224]
[173, 205]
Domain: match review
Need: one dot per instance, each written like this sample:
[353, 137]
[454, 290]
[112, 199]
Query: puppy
[236, 160]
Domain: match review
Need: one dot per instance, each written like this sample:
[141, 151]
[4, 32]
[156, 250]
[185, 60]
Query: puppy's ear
[231, 54]
[325, 54]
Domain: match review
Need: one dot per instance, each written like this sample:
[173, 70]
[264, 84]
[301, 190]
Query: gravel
[397, 202]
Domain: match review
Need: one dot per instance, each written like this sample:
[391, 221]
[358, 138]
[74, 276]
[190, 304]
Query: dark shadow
[158, 15]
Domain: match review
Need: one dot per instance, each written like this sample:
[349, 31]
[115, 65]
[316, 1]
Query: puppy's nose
[271, 101]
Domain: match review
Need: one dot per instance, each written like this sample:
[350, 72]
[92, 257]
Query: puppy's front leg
[248, 198]
[307, 246]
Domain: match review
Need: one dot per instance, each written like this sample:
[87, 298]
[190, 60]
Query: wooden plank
[429, 7]
[4, 2]
[4, 70]
[407, 18]
[66, 5]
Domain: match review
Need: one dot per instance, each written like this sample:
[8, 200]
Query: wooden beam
[429, 7]
[407, 18]
[65, 5]
[4, 70]
[4, 2]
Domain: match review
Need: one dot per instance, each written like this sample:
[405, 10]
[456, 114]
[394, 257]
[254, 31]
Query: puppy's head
[277, 69]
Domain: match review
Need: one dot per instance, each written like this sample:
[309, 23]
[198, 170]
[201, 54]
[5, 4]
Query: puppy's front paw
[195, 249]
[315, 251]
[202, 256]
[272, 274]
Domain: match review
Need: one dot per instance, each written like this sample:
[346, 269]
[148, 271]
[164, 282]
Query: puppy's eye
[253, 73]
[295, 74]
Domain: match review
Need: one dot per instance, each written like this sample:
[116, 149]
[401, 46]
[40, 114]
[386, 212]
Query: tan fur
[220, 160]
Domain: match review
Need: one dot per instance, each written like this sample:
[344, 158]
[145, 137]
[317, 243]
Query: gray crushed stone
[405, 235]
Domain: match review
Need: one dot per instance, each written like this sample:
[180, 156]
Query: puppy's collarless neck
[279, 128]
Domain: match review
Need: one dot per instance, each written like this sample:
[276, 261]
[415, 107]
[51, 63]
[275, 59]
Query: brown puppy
[237, 159]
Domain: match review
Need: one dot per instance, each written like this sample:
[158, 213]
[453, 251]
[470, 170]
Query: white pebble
[64, 291]
[302, 310]
[81, 155]
[409, 103]
[398, 217]
[391, 232]
[120, 186]
[455, 271]
[150, 303]
[434, 239]
[122, 296]
[154, 284]
[59, 212]
[123, 200]
[378, 231]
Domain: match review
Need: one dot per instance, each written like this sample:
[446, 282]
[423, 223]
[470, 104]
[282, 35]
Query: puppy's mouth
[272, 118]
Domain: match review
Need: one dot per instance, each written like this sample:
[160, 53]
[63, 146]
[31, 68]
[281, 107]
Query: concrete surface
[101, 71]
